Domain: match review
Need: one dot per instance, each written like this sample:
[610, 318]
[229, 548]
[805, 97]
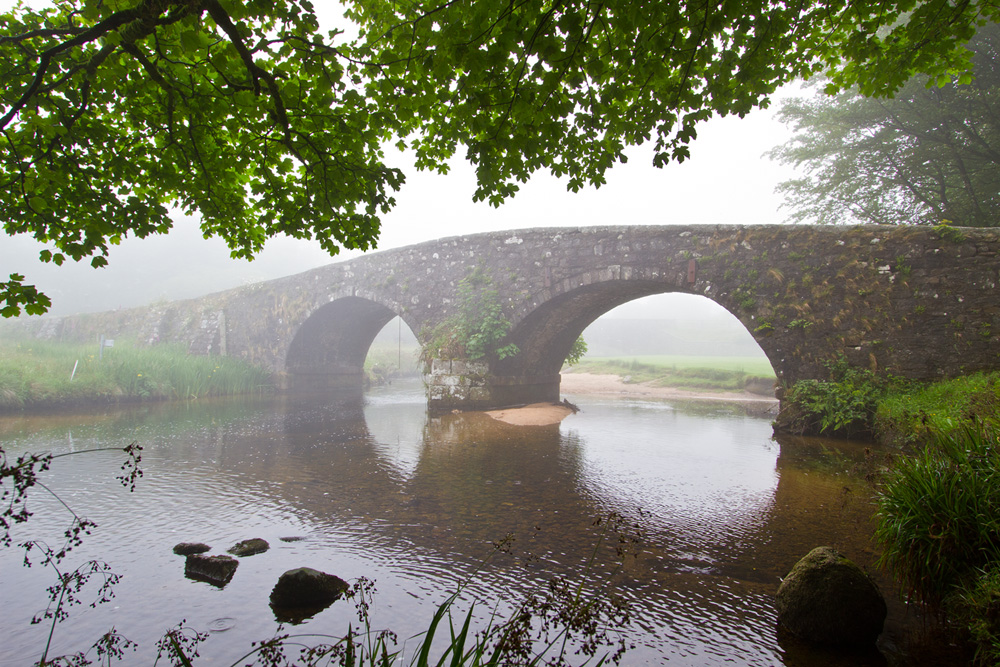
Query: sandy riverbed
[543, 414]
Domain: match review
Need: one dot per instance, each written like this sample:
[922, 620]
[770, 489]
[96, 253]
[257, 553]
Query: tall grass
[938, 513]
[36, 373]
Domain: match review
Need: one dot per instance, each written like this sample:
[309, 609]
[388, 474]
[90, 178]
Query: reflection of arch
[329, 348]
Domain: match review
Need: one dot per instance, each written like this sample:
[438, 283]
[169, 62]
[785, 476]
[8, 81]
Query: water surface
[376, 488]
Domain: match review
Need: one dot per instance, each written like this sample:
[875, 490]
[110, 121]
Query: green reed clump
[976, 606]
[38, 373]
[167, 371]
[938, 513]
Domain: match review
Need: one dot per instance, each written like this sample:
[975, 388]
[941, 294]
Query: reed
[38, 373]
[938, 513]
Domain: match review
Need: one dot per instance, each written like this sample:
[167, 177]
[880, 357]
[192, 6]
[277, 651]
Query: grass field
[685, 372]
[38, 373]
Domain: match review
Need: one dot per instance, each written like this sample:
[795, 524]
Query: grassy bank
[36, 374]
[684, 372]
[937, 510]
[860, 403]
[388, 360]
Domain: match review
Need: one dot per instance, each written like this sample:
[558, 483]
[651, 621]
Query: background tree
[245, 113]
[930, 154]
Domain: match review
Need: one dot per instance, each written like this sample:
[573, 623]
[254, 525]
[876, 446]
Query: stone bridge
[916, 301]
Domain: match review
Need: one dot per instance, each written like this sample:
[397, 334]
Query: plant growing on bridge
[478, 327]
[247, 114]
[577, 352]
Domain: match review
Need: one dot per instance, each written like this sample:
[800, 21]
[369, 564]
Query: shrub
[577, 352]
[478, 327]
[844, 406]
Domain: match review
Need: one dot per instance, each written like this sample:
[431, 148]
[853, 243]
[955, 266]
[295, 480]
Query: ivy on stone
[478, 327]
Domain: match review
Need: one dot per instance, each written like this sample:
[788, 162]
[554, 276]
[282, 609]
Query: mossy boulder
[216, 570]
[188, 548]
[307, 588]
[249, 547]
[827, 599]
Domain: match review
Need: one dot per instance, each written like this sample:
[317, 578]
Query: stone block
[440, 366]
[466, 367]
[480, 394]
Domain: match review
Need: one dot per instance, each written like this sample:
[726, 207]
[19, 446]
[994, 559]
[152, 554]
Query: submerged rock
[249, 547]
[306, 589]
[216, 570]
[826, 599]
[188, 548]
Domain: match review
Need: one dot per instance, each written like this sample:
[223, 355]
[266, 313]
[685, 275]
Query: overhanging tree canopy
[248, 114]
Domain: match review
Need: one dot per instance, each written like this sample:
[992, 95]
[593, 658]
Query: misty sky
[727, 180]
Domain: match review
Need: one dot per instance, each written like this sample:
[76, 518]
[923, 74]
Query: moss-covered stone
[827, 599]
[255, 545]
[188, 548]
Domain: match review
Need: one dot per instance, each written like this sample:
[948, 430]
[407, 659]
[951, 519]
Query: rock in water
[306, 587]
[188, 548]
[216, 570]
[827, 599]
[249, 547]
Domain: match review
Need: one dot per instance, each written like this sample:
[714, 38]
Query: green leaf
[191, 40]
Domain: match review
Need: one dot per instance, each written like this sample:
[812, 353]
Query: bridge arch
[545, 335]
[329, 348]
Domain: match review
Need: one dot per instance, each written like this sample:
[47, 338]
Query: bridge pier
[457, 384]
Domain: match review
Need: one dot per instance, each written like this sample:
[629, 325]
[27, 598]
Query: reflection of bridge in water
[910, 300]
[726, 510]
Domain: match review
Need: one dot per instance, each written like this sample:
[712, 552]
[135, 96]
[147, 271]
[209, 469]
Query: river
[374, 487]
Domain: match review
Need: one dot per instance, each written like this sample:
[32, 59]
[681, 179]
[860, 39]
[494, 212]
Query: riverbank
[39, 375]
[596, 384]
[615, 385]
